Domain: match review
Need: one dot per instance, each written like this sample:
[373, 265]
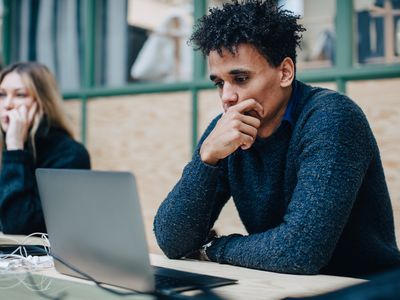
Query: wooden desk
[252, 284]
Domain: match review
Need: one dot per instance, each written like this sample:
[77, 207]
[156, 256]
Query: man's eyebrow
[232, 72]
[239, 71]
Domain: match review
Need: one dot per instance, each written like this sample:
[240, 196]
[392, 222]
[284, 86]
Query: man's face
[246, 74]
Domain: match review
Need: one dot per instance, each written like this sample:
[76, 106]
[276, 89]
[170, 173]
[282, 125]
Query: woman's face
[13, 95]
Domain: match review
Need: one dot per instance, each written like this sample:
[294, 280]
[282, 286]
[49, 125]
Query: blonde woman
[35, 134]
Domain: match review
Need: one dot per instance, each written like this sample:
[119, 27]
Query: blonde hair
[42, 86]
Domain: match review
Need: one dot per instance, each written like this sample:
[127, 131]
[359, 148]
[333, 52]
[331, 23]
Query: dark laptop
[95, 224]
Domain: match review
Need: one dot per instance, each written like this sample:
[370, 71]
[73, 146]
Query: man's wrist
[203, 249]
[208, 159]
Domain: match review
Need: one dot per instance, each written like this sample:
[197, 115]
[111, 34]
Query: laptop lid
[94, 222]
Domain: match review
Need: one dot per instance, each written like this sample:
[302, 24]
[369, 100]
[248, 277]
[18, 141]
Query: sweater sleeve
[20, 207]
[334, 151]
[186, 216]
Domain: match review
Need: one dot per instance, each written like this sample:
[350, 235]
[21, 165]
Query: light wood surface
[252, 284]
[255, 284]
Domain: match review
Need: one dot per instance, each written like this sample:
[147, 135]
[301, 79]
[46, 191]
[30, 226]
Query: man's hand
[233, 130]
[20, 120]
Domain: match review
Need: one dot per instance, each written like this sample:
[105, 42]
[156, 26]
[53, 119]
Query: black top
[20, 207]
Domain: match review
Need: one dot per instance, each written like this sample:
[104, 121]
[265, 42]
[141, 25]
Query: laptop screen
[94, 222]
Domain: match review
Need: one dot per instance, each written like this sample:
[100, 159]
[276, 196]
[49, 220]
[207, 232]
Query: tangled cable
[21, 260]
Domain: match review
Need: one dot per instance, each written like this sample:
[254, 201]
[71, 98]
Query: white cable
[12, 264]
[19, 258]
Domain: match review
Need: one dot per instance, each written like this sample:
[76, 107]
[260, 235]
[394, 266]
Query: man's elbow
[293, 268]
[298, 264]
[168, 243]
[306, 269]
[175, 241]
[170, 248]
[171, 253]
[305, 264]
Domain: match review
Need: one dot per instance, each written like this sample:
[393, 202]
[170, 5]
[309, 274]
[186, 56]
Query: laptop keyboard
[174, 280]
[167, 282]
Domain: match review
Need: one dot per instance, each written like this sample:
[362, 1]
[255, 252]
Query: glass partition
[378, 31]
[50, 32]
[318, 45]
[157, 40]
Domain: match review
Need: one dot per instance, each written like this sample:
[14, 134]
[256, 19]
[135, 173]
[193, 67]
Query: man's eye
[241, 79]
[219, 84]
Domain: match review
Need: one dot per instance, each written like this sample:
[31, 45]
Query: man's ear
[287, 72]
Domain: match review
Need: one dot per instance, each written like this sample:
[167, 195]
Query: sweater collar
[294, 99]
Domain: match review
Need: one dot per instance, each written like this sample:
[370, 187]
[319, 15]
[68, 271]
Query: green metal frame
[340, 73]
[344, 34]
[198, 74]
[88, 66]
[6, 34]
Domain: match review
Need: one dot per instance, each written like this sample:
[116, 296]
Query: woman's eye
[21, 95]
[3, 95]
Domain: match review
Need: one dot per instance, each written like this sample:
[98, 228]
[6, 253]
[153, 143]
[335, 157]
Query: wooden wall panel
[380, 101]
[73, 108]
[149, 135]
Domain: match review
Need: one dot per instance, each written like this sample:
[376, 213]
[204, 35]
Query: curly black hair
[274, 32]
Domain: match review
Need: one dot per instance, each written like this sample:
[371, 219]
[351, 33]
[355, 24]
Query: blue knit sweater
[312, 196]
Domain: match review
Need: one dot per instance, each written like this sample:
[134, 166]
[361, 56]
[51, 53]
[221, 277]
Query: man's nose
[229, 95]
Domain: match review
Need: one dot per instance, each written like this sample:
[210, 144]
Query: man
[300, 163]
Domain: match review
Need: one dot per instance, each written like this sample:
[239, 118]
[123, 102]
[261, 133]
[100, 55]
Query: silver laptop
[95, 224]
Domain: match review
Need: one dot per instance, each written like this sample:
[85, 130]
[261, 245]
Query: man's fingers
[241, 139]
[250, 120]
[233, 130]
[248, 105]
[247, 142]
[246, 129]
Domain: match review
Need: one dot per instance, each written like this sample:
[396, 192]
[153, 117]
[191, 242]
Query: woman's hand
[20, 121]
